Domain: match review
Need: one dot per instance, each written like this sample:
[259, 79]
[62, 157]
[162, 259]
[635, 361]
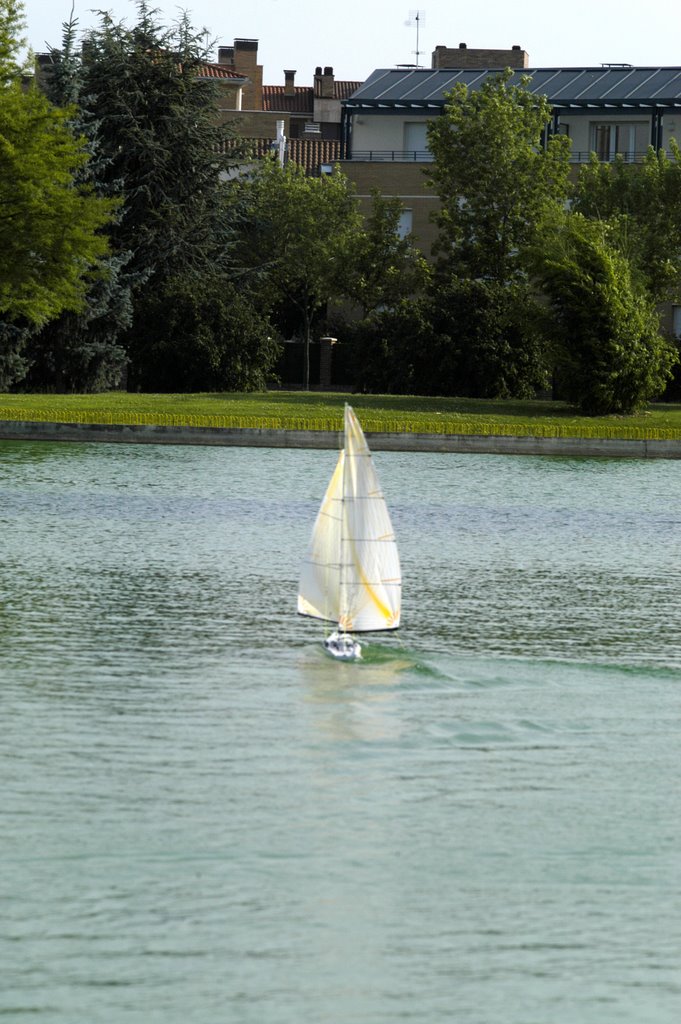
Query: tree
[50, 226]
[642, 205]
[159, 144]
[497, 174]
[204, 335]
[611, 357]
[495, 177]
[83, 350]
[150, 114]
[385, 267]
[298, 237]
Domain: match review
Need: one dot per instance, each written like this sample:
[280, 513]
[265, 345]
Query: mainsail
[351, 573]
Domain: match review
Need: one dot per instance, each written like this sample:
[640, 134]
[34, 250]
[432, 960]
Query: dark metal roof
[620, 86]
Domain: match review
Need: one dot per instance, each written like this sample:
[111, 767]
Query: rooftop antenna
[416, 18]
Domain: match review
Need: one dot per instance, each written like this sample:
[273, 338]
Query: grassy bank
[286, 410]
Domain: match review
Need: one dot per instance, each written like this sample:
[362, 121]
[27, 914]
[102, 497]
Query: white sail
[351, 574]
[319, 590]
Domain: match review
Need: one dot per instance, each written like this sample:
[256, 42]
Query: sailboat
[351, 572]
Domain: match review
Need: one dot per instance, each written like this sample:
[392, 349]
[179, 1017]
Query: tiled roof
[343, 90]
[219, 71]
[301, 102]
[274, 97]
[309, 153]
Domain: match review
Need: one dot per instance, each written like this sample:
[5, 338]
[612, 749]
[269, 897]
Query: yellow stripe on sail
[387, 613]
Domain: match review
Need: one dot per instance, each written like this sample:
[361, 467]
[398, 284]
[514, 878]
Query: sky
[357, 36]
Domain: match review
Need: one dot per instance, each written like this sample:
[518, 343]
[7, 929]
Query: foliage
[497, 337]
[81, 352]
[13, 358]
[297, 237]
[203, 334]
[50, 224]
[11, 40]
[474, 338]
[399, 352]
[611, 355]
[498, 179]
[384, 267]
[158, 144]
[495, 178]
[150, 116]
[642, 203]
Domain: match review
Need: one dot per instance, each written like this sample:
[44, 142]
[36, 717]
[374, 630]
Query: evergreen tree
[151, 116]
[159, 145]
[83, 351]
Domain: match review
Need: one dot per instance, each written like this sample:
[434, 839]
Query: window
[609, 139]
[405, 225]
[415, 139]
[676, 321]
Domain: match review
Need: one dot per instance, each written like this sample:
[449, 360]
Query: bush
[13, 360]
[200, 335]
[612, 357]
[468, 338]
[497, 341]
[398, 352]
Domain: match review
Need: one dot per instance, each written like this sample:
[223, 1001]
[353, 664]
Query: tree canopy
[611, 356]
[298, 237]
[642, 205]
[50, 222]
[495, 173]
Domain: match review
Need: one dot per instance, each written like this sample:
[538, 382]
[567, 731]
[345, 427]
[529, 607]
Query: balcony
[424, 156]
[400, 156]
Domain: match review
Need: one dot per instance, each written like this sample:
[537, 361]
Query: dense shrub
[209, 337]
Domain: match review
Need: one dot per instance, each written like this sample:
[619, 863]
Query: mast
[342, 585]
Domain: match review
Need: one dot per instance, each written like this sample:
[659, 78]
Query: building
[609, 110]
[311, 114]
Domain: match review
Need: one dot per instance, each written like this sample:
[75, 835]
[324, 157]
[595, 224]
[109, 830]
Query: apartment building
[609, 110]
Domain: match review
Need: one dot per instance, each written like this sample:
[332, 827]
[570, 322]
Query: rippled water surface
[205, 820]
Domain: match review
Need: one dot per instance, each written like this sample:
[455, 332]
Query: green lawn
[323, 411]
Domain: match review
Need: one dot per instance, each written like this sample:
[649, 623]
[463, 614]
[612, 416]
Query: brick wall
[463, 57]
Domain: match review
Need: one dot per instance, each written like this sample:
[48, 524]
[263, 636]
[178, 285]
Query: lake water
[205, 820]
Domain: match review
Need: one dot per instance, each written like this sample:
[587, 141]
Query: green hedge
[423, 424]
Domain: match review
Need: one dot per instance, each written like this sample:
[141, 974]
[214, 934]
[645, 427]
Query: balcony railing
[583, 157]
[402, 156]
[424, 156]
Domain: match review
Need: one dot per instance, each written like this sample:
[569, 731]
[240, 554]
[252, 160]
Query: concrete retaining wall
[493, 444]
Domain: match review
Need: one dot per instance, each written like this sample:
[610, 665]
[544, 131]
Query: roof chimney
[226, 55]
[289, 83]
[323, 83]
